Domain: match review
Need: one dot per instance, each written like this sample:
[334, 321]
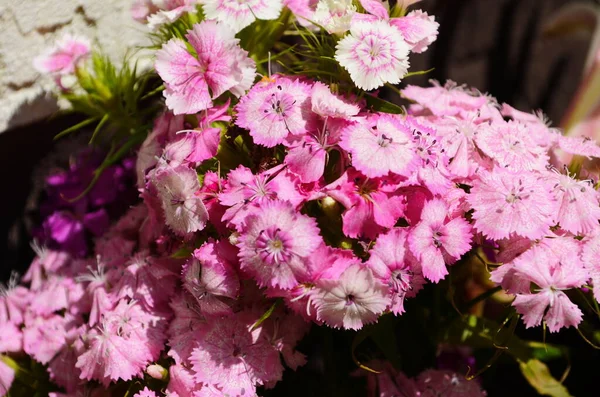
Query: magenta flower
[193, 82]
[553, 268]
[275, 244]
[374, 53]
[380, 145]
[273, 110]
[439, 239]
[508, 203]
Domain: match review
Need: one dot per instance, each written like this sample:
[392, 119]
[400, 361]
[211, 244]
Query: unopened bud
[157, 371]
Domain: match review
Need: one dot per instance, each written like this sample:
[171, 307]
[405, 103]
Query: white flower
[374, 53]
[335, 15]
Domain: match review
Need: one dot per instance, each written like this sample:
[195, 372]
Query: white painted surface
[29, 26]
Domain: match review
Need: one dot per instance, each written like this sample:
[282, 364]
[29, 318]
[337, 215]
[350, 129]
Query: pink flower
[418, 29]
[374, 53]
[334, 15]
[239, 14]
[326, 104]
[182, 329]
[64, 56]
[221, 65]
[211, 279]
[43, 337]
[184, 210]
[275, 243]
[275, 109]
[507, 203]
[390, 262]
[13, 301]
[438, 239]
[511, 146]
[553, 268]
[579, 210]
[380, 145]
[245, 189]
[145, 393]
[591, 260]
[352, 299]
[231, 356]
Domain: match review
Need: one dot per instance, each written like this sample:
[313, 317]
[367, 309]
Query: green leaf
[382, 105]
[265, 316]
[538, 376]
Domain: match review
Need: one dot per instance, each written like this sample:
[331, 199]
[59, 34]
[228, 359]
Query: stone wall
[29, 26]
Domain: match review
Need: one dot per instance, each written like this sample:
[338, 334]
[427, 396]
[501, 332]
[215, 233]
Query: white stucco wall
[28, 26]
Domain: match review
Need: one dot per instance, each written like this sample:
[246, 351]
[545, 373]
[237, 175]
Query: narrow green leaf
[98, 128]
[75, 128]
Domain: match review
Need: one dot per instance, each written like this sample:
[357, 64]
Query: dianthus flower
[275, 243]
[275, 109]
[380, 145]
[553, 268]
[238, 14]
[507, 203]
[418, 29]
[438, 239]
[350, 300]
[374, 53]
[193, 82]
[334, 15]
[64, 56]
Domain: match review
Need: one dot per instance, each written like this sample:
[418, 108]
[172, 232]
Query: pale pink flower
[181, 382]
[64, 56]
[193, 82]
[145, 393]
[326, 104]
[182, 328]
[334, 15]
[578, 145]
[303, 10]
[552, 267]
[237, 14]
[274, 109]
[235, 358]
[353, 299]
[591, 259]
[211, 279]
[390, 262]
[172, 10]
[511, 146]
[11, 338]
[43, 337]
[376, 8]
[438, 240]
[418, 29]
[380, 145]
[243, 189]
[578, 203]
[508, 203]
[275, 243]
[184, 210]
[14, 299]
[374, 53]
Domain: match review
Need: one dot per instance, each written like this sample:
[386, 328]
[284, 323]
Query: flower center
[271, 246]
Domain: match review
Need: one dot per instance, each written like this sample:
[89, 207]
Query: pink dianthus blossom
[438, 239]
[507, 203]
[275, 243]
[418, 29]
[374, 53]
[552, 271]
[193, 82]
[64, 56]
[275, 109]
[238, 14]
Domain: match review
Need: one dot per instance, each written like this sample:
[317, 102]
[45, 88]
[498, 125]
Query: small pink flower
[507, 203]
[381, 145]
[238, 14]
[579, 209]
[184, 210]
[418, 29]
[145, 393]
[553, 268]
[275, 109]
[374, 53]
[438, 239]
[211, 279]
[591, 260]
[231, 356]
[326, 104]
[64, 56]
[193, 82]
[275, 244]
[352, 299]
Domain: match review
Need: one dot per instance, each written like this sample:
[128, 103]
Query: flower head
[237, 14]
[374, 53]
[64, 56]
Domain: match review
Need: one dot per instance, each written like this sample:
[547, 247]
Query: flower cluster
[269, 205]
